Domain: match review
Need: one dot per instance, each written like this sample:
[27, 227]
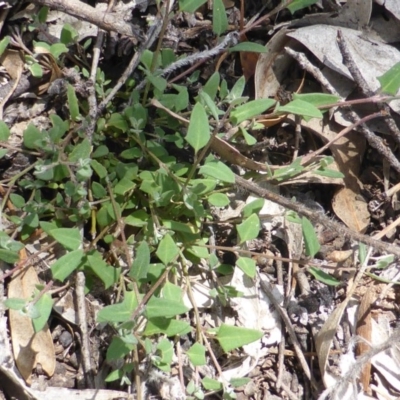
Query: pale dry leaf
[13, 62]
[351, 209]
[347, 152]
[272, 67]
[29, 348]
[364, 331]
[394, 7]
[373, 58]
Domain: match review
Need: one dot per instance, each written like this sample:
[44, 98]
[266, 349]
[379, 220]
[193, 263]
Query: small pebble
[65, 339]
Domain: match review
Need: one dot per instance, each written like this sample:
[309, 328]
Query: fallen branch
[103, 19]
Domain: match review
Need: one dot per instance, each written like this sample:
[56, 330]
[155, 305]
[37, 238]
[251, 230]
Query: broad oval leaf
[70, 238]
[220, 20]
[167, 250]
[247, 265]
[65, 265]
[141, 263]
[310, 237]
[190, 6]
[302, 108]
[250, 110]
[249, 46]
[199, 131]
[233, 337]
[390, 80]
[249, 228]
[218, 170]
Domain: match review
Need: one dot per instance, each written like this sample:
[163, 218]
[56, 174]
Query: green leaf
[249, 46]
[3, 152]
[57, 49]
[120, 312]
[81, 151]
[167, 250]
[70, 238]
[138, 218]
[310, 237]
[218, 200]
[237, 90]
[99, 169]
[390, 80]
[323, 276]
[249, 228]
[44, 305]
[300, 107]
[108, 274]
[32, 136]
[198, 133]
[65, 265]
[247, 265]
[73, 103]
[208, 102]
[166, 308]
[218, 170]
[5, 42]
[211, 384]
[362, 253]
[98, 190]
[118, 349]
[197, 355]
[254, 207]
[17, 200]
[4, 132]
[330, 173]
[36, 70]
[220, 20]
[166, 326]
[211, 87]
[118, 121]
[42, 14]
[300, 4]
[15, 304]
[141, 263]
[166, 353]
[238, 382]
[233, 337]
[124, 186]
[68, 34]
[190, 6]
[250, 109]
[317, 99]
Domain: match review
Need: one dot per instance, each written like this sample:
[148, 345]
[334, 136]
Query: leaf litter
[233, 321]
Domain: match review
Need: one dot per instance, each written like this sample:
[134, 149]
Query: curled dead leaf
[29, 348]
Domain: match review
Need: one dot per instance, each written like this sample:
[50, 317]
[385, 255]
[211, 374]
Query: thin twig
[349, 62]
[104, 20]
[296, 345]
[316, 217]
[81, 303]
[375, 141]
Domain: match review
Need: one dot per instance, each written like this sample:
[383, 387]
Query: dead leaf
[248, 60]
[29, 348]
[13, 62]
[272, 67]
[364, 330]
[351, 209]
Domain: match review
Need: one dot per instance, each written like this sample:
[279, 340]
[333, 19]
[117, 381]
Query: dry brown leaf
[364, 330]
[248, 60]
[351, 209]
[29, 348]
[13, 62]
[272, 67]
[348, 152]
